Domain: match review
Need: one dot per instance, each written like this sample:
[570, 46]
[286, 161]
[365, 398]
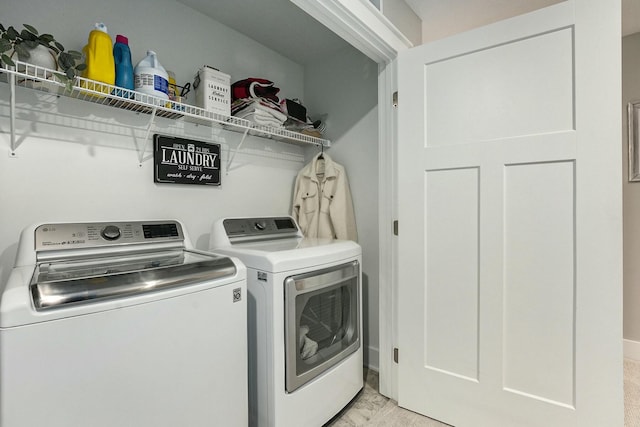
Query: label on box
[213, 91]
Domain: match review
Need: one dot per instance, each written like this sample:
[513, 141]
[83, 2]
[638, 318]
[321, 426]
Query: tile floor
[371, 409]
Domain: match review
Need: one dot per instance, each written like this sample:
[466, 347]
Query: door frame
[360, 24]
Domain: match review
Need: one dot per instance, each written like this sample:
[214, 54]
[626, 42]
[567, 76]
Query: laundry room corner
[347, 88]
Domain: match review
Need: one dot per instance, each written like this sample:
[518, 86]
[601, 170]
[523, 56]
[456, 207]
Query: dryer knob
[110, 232]
[260, 225]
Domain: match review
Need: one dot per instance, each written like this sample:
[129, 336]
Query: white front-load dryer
[305, 319]
[122, 324]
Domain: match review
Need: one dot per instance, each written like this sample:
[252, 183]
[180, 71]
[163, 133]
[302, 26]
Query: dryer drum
[321, 322]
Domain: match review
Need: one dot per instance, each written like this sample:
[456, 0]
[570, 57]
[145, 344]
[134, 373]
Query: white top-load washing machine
[121, 324]
[305, 328]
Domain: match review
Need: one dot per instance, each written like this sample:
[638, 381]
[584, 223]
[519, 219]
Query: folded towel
[268, 110]
[250, 105]
[258, 119]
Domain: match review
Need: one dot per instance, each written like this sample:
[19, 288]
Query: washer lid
[291, 254]
[80, 281]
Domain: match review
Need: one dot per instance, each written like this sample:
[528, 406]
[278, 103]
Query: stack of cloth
[260, 111]
[256, 100]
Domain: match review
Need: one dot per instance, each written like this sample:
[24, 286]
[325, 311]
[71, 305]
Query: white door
[510, 282]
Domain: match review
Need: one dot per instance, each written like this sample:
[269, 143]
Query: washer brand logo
[262, 276]
[237, 294]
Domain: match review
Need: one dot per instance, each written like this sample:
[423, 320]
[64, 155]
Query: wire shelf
[44, 79]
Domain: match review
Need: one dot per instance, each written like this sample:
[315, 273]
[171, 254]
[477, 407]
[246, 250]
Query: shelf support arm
[233, 154]
[12, 113]
[146, 136]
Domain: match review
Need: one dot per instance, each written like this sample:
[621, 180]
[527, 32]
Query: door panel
[538, 86]
[509, 192]
[539, 279]
[452, 271]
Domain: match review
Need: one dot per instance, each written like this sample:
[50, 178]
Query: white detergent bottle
[150, 77]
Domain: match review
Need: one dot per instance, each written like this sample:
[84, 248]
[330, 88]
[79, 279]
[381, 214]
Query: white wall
[631, 198]
[346, 87]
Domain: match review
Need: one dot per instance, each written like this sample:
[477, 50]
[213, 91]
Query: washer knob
[110, 232]
[261, 225]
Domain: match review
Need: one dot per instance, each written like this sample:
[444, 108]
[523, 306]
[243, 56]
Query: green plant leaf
[47, 38]
[2, 28]
[12, 33]
[59, 46]
[65, 61]
[68, 83]
[26, 35]
[70, 73]
[4, 45]
[5, 36]
[30, 29]
[31, 44]
[7, 60]
[23, 52]
[75, 54]
[81, 67]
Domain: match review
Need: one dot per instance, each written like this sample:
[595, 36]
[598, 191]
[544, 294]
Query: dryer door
[321, 321]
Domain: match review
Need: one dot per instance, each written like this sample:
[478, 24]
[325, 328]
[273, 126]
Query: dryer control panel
[259, 228]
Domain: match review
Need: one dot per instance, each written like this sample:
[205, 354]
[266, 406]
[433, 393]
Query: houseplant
[22, 44]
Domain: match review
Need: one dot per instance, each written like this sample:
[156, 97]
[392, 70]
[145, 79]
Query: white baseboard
[631, 349]
[372, 358]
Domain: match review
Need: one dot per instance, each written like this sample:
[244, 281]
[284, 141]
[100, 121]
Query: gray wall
[80, 162]
[346, 87]
[631, 194]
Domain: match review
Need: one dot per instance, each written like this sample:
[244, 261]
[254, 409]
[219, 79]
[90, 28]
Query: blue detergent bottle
[124, 67]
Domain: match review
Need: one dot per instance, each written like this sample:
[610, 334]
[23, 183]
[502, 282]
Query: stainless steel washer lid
[80, 281]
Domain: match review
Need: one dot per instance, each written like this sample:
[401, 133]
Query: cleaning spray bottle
[99, 57]
[124, 67]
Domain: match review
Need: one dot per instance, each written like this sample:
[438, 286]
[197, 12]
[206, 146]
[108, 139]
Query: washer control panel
[260, 227]
[96, 234]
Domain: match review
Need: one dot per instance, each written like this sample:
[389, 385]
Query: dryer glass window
[322, 328]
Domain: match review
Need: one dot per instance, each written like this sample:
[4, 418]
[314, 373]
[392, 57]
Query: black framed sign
[185, 161]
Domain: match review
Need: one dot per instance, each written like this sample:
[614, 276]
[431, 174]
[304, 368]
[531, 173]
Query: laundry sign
[185, 161]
